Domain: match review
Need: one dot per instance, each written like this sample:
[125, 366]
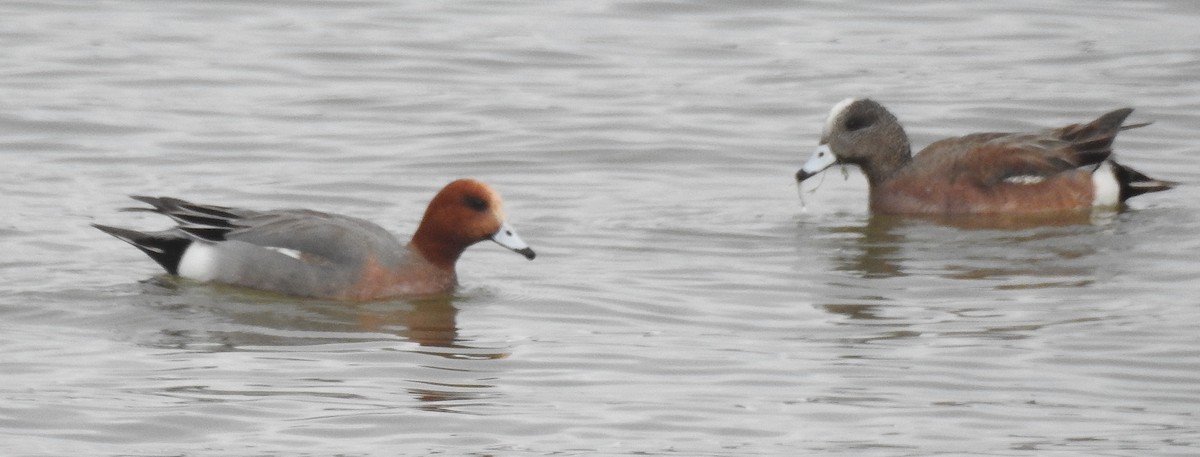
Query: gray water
[685, 300]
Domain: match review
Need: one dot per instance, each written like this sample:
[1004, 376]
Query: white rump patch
[199, 262]
[1024, 179]
[1107, 189]
[834, 113]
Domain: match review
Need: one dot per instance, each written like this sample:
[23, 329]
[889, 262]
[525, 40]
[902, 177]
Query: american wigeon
[1055, 169]
[314, 254]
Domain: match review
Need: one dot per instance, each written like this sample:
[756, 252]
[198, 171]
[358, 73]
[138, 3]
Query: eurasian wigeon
[314, 254]
[1064, 168]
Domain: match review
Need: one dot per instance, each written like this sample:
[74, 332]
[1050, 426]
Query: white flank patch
[834, 113]
[1024, 179]
[199, 262]
[285, 251]
[1107, 189]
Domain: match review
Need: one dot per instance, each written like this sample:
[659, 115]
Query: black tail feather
[1091, 143]
[165, 247]
[1134, 183]
[1105, 126]
[208, 222]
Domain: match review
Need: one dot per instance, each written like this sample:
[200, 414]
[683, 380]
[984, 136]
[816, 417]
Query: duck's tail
[165, 247]
[1134, 183]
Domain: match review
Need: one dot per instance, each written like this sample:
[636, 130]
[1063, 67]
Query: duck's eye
[856, 123]
[475, 203]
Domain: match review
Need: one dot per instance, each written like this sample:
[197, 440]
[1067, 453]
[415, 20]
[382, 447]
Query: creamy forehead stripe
[497, 205]
[834, 113]
[494, 202]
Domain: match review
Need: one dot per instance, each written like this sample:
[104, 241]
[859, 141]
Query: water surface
[684, 300]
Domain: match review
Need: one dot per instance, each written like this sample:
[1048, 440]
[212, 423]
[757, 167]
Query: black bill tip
[528, 253]
[802, 175]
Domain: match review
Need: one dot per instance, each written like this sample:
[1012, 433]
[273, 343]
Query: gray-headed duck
[1064, 168]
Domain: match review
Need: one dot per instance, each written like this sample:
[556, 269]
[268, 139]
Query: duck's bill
[508, 238]
[821, 159]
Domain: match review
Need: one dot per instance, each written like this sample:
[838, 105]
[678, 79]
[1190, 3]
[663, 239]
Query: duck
[1056, 169]
[306, 253]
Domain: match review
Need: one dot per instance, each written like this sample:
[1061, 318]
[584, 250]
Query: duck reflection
[203, 318]
[875, 251]
[431, 321]
[1003, 252]
[856, 311]
[233, 317]
[980, 247]
[452, 398]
